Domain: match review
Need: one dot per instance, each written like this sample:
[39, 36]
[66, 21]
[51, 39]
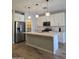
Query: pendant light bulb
[29, 17]
[47, 14]
[37, 16]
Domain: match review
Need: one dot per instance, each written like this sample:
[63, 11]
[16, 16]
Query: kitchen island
[43, 41]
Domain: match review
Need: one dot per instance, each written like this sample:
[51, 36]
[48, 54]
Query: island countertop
[49, 34]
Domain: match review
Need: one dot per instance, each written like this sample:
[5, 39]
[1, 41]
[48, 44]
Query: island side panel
[44, 42]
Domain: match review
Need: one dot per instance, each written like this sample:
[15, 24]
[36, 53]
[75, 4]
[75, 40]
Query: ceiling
[53, 6]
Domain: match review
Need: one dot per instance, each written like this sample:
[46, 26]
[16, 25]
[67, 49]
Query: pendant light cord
[47, 9]
[47, 4]
[29, 10]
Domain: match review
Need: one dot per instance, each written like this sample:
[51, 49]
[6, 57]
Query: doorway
[28, 25]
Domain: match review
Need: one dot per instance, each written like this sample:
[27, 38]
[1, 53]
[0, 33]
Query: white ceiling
[54, 5]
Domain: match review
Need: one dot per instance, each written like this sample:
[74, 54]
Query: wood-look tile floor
[27, 52]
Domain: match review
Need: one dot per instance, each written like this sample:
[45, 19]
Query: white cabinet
[19, 17]
[40, 21]
[60, 19]
[55, 19]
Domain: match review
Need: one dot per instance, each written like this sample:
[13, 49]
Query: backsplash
[53, 28]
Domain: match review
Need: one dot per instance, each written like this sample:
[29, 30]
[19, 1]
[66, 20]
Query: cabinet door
[19, 17]
[40, 21]
[60, 19]
[52, 20]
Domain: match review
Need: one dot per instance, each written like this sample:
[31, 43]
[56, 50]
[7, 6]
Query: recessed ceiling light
[28, 7]
[44, 7]
[37, 4]
[37, 16]
[47, 0]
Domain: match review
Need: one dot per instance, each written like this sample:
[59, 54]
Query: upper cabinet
[40, 21]
[60, 19]
[19, 17]
[57, 19]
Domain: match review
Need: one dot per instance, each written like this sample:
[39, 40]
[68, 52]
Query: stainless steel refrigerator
[19, 28]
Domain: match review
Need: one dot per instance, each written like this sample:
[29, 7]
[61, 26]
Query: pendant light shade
[29, 17]
[37, 16]
[47, 14]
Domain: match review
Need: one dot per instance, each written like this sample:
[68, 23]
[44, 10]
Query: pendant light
[37, 16]
[29, 17]
[47, 13]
